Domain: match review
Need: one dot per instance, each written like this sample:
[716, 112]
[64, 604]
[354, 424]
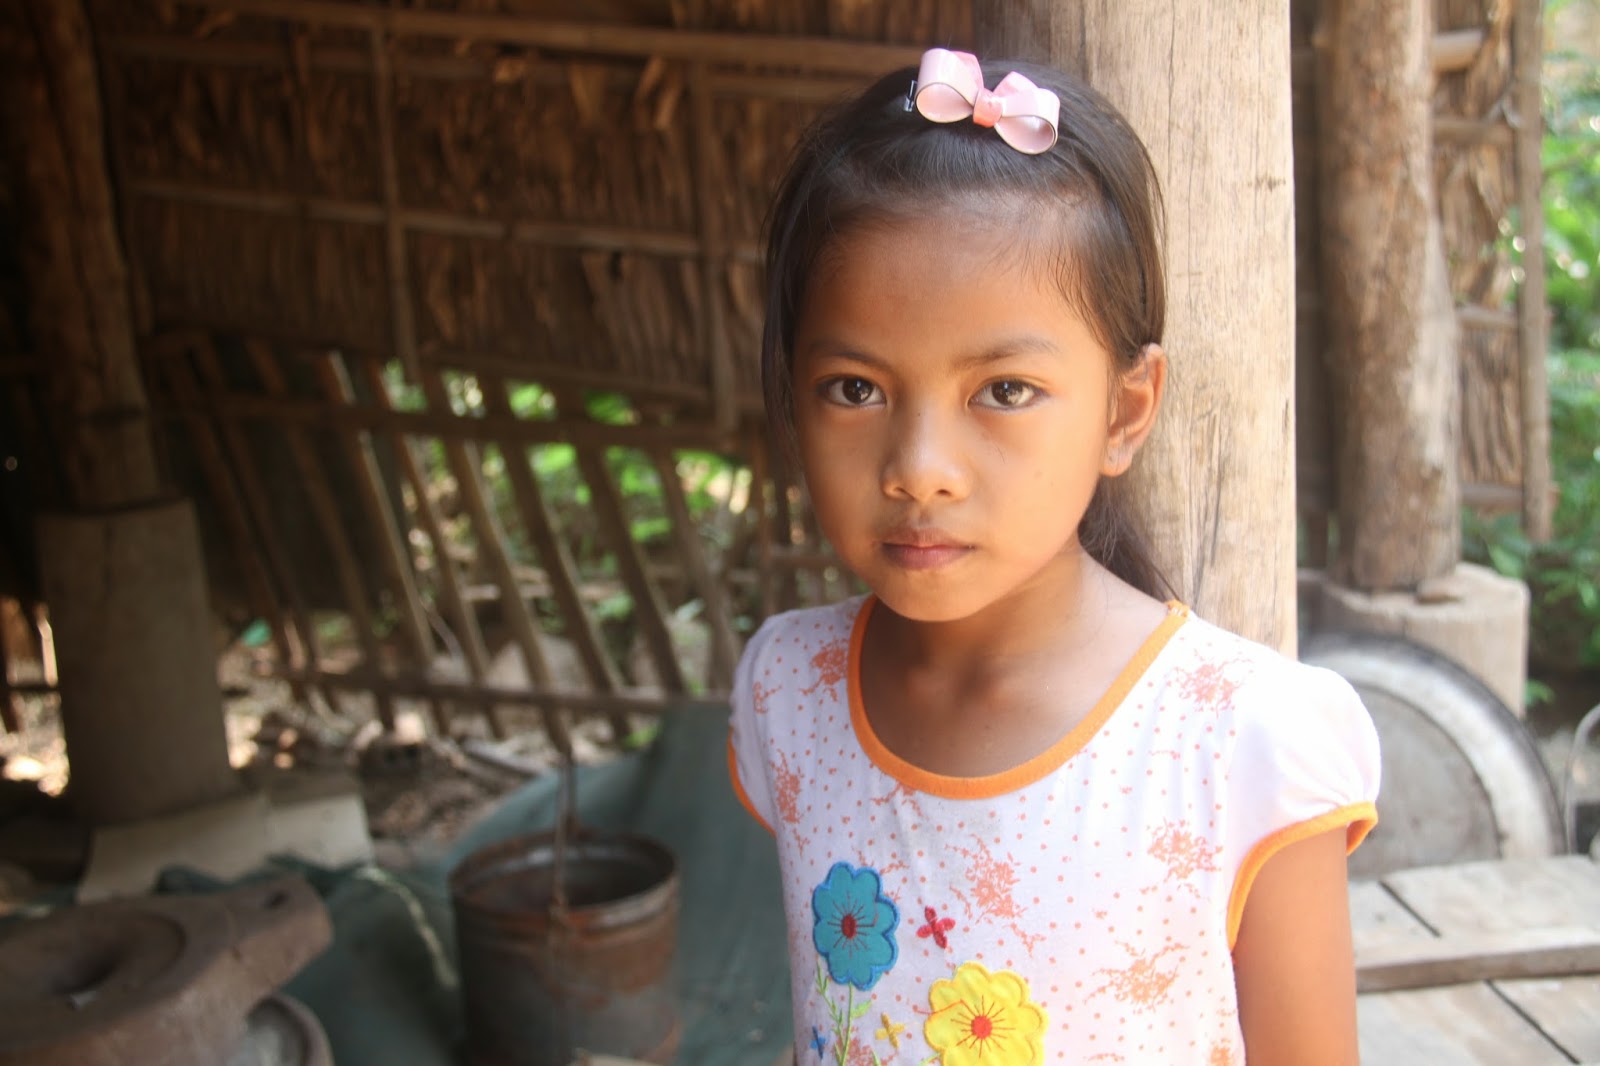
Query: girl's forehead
[934, 288]
[906, 258]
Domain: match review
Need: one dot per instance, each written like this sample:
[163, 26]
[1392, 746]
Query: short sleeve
[747, 735]
[1305, 762]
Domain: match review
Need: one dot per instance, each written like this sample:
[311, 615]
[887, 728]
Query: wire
[1580, 740]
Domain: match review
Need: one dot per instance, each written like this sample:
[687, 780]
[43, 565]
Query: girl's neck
[1060, 610]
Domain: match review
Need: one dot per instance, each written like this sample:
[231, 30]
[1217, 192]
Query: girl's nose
[923, 460]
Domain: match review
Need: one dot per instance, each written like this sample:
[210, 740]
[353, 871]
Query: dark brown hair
[1093, 197]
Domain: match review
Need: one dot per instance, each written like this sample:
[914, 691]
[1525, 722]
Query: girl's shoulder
[823, 625]
[806, 632]
[1210, 662]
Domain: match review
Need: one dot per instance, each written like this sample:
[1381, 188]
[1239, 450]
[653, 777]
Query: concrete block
[1473, 616]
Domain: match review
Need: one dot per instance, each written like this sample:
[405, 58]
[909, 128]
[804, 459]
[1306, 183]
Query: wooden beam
[602, 38]
[1527, 51]
[1560, 951]
[75, 275]
[1454, 50]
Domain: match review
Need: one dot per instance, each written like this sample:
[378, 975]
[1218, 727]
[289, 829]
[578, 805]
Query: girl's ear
[1136, 400]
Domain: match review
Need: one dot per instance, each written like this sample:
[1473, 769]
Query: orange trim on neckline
[1025, 773]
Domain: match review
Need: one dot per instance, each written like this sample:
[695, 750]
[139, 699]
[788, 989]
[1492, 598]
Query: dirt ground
[420, 788]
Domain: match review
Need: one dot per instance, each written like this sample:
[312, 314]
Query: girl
[1026, 811]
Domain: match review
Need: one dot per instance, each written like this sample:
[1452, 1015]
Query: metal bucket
[540, 981]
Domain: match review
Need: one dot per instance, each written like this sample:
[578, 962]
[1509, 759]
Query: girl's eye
[850, 392]
[1006, 394]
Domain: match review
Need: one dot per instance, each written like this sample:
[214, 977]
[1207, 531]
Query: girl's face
[954, 417]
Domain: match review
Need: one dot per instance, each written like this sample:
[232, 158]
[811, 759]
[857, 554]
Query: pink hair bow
[949, 87]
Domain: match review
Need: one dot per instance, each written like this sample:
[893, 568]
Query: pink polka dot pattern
[1097, 887]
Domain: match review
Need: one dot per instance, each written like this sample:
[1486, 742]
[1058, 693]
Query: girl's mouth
[923, 549]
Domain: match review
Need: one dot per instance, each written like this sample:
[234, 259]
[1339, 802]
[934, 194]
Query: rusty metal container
[543, 979]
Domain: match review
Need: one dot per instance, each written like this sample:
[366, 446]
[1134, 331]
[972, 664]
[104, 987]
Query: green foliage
[1572, 199]
[1563, 575]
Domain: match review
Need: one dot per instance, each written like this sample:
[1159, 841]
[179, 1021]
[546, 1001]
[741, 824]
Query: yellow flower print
[984, 1019]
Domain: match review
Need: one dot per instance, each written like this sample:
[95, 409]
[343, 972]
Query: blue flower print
[819, 1043]
[855, 925]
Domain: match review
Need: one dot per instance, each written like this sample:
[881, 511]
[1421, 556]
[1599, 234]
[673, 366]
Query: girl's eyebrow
[1022, 344]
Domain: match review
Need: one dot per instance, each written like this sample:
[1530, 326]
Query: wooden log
[244, 537]
[1219, 470]
[538, 522]
[1389, 327]
[1454, 50]
[325, 510]
[711, 323]
[466, 465]
[451, 428]
[1558, 951]
[251, 490]
[385, 528]
[1527, 44]
[77, 280]
[602, 38]
[10, 706]
[468, 635]
[724, 643]
[337, 60]
[547, 700]
[395, 258]
[649, 611]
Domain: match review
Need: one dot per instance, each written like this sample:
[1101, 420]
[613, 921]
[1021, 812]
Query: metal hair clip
[911, 96]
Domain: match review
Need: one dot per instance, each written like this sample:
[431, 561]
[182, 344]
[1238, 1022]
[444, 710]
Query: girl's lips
[914, 557]
[922, 549]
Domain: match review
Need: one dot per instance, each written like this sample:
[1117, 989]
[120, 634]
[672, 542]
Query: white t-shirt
[1080, 907]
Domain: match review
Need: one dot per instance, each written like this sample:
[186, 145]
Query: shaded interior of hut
[386, 497]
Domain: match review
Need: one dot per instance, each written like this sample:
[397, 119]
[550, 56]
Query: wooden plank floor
[1531, 1021]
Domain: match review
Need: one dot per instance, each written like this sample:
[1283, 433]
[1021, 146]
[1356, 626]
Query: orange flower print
[980, 1018]
[1141, 985]
[759, 695]
[1185, 853]
[907, 798]
[786, 791]
[1209, 685]
[832, 663]
[992, 881]
[1221, 1054]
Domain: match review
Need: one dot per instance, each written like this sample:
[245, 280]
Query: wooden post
[79, 312]
[1527, 55]
[122, 571]
[1389, 322]
[1207, 87]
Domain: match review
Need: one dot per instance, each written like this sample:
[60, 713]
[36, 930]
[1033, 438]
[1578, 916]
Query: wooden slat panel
[1467, 1025]
[1567, 1010]
[1551, 951]
[1501, 896]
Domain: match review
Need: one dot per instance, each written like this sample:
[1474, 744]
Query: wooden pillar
[1388, 315]
[78, 305]
[1207, 87]
[121, 570]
